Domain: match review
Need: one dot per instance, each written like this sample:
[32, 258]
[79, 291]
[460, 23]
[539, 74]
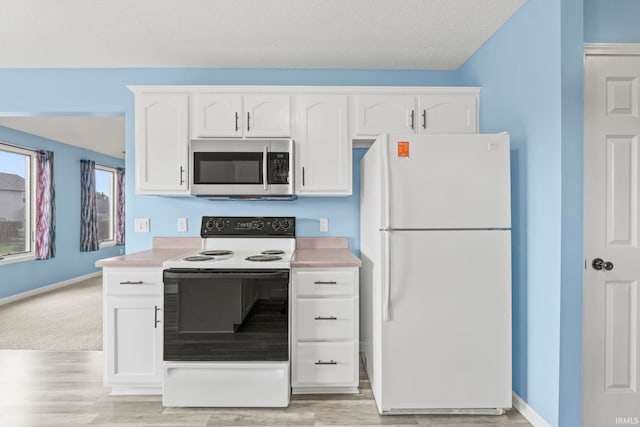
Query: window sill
[107, 244]
[12, 259]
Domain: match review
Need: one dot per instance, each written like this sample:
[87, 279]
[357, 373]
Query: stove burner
[263, 258]
[273, 252]
[217, 252]
[198, 258]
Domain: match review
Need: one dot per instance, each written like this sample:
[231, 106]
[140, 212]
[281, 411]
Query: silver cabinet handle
[237, 117]
[413, 115]
[155, 325]
[331, 362]
[326, 318]
[424, 119]
[129, 282]
[319, 282]
[181, 175]
[248, 121]
[303, 176]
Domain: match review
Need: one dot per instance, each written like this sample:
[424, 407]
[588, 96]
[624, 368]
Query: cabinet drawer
[326, 363]
[324, 282]
[325, 319]
[133, 281]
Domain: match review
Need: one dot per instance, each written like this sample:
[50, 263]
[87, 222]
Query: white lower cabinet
[324, 330]
[133, 330]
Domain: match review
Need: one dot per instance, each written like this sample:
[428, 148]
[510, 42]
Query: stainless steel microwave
[242, 168]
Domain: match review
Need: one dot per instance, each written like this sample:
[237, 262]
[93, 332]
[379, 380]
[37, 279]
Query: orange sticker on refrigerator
[403, 148]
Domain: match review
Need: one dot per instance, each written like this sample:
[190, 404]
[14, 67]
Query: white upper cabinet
[323, 147]
[162, 143]
[454, 112]
[386, 114]
[234, 115]
[448, 113]
[267, 115]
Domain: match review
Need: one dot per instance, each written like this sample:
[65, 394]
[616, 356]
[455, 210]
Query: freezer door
[447, 181]
[447, 343]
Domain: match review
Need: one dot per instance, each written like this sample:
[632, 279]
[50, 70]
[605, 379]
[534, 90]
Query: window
[16, 202]
[106, 200]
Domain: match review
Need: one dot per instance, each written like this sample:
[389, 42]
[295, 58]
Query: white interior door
[611, 321]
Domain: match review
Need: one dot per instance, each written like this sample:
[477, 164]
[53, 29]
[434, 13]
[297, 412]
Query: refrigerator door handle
[386, 208]
[386, 277]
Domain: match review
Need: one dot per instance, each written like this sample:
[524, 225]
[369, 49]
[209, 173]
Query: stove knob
[259, 224]
[208, 225]
[285, 224]
[220, 225]
[275, 224]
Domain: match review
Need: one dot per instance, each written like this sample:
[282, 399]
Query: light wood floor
[46, 388]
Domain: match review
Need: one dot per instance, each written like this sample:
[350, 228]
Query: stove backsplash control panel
[240, 226]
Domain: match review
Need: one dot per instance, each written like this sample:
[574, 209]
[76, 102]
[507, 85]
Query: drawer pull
[331, 362]
[325, 283]
[326, 318]
[129, 282]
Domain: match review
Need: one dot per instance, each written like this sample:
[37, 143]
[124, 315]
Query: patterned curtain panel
[45, 206]
[120, 213]
[89, 240]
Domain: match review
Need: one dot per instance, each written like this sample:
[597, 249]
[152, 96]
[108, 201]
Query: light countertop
[310, 252]
[323, 252]
[164, 248]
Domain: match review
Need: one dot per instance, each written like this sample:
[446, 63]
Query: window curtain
[89, 240]
[45, 206]
[120, 207]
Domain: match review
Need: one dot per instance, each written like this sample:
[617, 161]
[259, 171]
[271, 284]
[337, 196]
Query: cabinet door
[162, 143]
[216, 115]
[267, 115]
[133, 341]
[323, 146]
[448, 114]
[386, 113]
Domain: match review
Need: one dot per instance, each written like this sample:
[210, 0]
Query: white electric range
[226, 311]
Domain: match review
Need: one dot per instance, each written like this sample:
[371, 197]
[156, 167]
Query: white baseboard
[47, 288]
[528, 412]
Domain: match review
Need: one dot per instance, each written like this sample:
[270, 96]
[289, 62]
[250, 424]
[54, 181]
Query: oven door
[226, 315]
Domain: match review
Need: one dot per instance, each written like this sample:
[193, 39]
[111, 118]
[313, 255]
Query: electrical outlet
[141, 225]
[182, 225]
[324, 225]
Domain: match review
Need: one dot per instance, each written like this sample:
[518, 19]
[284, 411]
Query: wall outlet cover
[324, 225]
[182, 225]
[141, 225]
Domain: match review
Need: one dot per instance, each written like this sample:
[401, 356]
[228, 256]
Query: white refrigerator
[435, 289]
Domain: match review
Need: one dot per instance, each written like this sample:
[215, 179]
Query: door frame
[597, 49]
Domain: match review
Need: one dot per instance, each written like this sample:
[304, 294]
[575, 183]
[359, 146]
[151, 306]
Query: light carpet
[65, 319]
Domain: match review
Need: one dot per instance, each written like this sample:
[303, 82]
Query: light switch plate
[324, 225]
[182, 225]
[142, 225]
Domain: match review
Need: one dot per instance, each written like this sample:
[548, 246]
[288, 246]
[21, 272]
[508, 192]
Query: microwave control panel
[278, 168]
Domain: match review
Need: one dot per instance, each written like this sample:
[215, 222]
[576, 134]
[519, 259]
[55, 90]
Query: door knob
[600, 264]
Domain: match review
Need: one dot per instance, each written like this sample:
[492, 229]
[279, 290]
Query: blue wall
[519, 71]
[68, 262]
[572, 74]
[103, 92]
[608, 21]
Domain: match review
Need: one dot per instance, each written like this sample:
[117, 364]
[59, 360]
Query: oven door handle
[264, 167]
[195, 273]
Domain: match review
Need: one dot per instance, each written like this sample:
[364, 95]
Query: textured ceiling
[371, 34]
